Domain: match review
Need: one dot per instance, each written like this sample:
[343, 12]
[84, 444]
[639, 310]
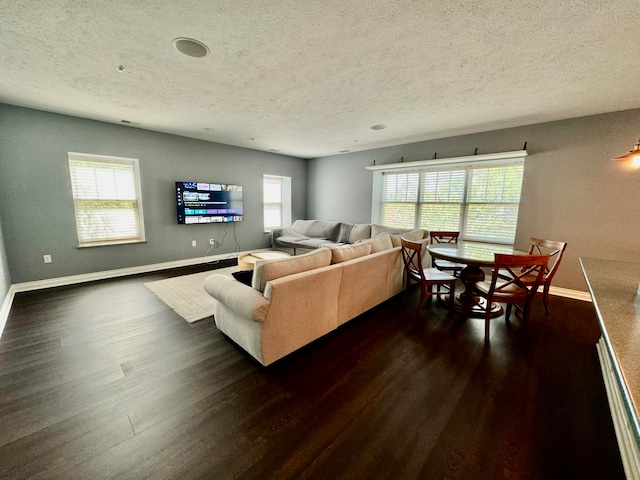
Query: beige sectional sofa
[293, 301]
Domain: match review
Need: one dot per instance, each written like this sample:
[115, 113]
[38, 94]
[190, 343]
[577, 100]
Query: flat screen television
[208, 203]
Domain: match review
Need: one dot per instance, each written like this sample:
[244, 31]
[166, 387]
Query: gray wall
[36, 206]
[571, 191]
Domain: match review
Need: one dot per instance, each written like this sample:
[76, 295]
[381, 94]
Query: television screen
[208, 203]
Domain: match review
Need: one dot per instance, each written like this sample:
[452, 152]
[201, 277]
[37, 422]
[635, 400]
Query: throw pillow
[381, 242]
[349, 252]
[378, 244]
[345, 230]
[359, 231]
[243, 276]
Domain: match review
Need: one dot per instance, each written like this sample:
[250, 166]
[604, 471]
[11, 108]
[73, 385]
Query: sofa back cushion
[359, 231]
[322, 229]
[378, 229]
[302, 226]
[378, 244]
[267, 270]
[349, 252]
[413, 235]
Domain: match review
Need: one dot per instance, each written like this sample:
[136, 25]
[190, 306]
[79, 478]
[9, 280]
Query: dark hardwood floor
[105, 381]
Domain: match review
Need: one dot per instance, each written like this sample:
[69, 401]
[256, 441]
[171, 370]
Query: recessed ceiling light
[190, 47]
[378, 127]
[121, 68]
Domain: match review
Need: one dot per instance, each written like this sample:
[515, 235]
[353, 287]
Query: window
[479, 201]
[276, 201]
[106, 196]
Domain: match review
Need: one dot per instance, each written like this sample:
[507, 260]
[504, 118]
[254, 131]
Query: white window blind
[272, 202]
[276, 201]
[441, 198]
[106, 197]
[480, 202]
[493, 200]
[399, 196]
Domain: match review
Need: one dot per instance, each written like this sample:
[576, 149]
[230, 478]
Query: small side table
[246, 262]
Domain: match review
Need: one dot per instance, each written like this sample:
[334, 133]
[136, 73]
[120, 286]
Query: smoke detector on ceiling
[190, 47]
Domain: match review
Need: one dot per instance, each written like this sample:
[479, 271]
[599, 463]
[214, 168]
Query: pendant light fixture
[633, 156]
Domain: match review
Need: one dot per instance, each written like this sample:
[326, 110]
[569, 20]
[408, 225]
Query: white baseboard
[6, 306]
[567, 293]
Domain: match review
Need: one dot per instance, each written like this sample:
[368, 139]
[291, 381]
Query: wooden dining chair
[515, 280]
[445, 265]
[555, 250]
[425, 277]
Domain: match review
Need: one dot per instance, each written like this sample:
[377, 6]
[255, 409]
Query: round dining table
[475, 256]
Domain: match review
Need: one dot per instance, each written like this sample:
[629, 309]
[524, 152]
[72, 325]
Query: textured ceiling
[310, 78]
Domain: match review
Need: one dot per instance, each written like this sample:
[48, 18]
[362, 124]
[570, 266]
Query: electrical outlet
[47, 259]
[212, 241]
[193, 243]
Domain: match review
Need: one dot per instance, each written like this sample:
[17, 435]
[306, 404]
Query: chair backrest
[538, 246]
[412, 258]
[518, 268]
[443, 237]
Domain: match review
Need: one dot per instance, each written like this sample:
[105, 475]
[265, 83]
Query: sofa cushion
[291, 239]
[359, 231]
[267, 270]
[345, 230]
[378, 244]
[302, 226]
[413, 235]
[315, 243]
[322, 229]
[381, 242]
[349, 252]
[378, 229]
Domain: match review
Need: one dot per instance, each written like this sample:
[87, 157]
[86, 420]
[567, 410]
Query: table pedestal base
[468, 303]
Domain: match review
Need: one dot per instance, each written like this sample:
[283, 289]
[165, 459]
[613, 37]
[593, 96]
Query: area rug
[186, 294]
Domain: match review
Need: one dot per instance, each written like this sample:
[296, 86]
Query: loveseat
[311, 234]
[293, 301]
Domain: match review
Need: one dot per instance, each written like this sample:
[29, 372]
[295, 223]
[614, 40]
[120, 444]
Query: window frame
[460, 163]
[133, 164]
[284, 204]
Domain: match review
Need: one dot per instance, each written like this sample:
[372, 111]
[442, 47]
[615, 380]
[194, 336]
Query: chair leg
[452, 295]
[406, 288]
[526, 311]
[507, 314]
[487, 320]
[545, 298]
[423, 295]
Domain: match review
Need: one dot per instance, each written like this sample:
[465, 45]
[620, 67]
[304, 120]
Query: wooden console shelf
[614, 289]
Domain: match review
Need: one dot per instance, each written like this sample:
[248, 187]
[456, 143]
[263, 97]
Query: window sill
[110, 243]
